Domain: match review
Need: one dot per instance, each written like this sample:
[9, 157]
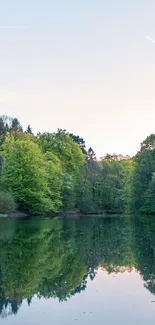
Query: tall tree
[16, 126]
[64, 148]
[29, 130]
[91, 156]
[25, 175]
[79, 141]
[142, 177]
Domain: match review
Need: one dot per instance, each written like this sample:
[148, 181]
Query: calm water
[86, 271]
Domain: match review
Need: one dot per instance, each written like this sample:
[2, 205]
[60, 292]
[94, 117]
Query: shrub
[7, 203]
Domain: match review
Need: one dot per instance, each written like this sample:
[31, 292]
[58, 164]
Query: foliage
[148, 143]
[64, 148]
[116, 177]
[56, 172]
[143, 181]
[88, 188]
[29, 130]
[79, 141]
[104, 186]
[55, 179]
[25, 176]
[7, 203]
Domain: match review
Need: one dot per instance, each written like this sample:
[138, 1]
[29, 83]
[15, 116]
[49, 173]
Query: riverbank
[70, 214]
[13, 215]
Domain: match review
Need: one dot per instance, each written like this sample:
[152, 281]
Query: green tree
[29, 130]
[142, 180]
[71, 160]
[148, 143]
[25, 175]
[88, 188]
[64, 148]
[55, 179]
[80, 141]
[15, 125]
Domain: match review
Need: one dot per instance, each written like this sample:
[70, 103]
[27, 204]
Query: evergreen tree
[29, 130]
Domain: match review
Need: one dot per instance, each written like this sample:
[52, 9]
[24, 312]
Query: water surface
[82, 271]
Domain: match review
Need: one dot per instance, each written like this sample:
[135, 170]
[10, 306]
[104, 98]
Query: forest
[49, 173]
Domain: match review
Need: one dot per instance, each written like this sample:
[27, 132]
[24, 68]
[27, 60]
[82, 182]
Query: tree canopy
[52, 172]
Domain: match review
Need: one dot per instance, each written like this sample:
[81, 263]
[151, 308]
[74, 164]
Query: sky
[84, 66]
[109, 299]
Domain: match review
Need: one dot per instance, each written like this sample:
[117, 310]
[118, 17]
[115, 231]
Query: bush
[7, 203]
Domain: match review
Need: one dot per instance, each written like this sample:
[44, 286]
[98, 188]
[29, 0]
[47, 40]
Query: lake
[78, 271]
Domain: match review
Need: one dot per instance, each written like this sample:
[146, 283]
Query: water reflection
[56, 258]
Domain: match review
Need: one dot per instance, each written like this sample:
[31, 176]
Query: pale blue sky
[81, 65]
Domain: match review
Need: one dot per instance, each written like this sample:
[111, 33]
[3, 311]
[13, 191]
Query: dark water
[87, 271]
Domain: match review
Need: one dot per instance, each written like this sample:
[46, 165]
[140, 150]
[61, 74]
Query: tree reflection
[55, 258]
[145, 249]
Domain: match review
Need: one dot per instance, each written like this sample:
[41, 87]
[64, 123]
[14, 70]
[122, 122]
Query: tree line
[53, 172]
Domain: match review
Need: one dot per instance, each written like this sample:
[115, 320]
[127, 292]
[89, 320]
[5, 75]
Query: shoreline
[70, 214]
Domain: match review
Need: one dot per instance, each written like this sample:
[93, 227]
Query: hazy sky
[81, 65]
